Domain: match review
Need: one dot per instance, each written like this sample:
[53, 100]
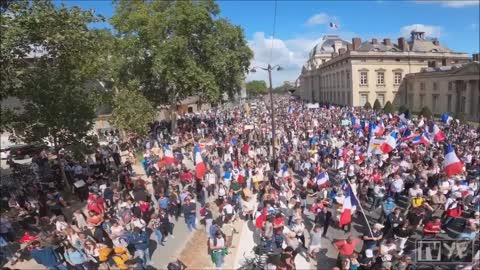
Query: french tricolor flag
[421, 139]
[377, 130]
[349, 205]
[322, 179]
[446, 118]
[390, 143]
[438, 135]
[355, 123]
[451, 164]
[200, 168]
[168, 154]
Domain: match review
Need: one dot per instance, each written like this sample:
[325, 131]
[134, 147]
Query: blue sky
[301, 24]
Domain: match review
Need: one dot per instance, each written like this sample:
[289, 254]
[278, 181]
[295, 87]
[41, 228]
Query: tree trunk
[173, 117]
[61, 163]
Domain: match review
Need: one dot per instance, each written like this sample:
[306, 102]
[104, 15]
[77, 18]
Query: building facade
[360, 72]
[451, 89]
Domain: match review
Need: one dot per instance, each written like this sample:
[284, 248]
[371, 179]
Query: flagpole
[361, 208]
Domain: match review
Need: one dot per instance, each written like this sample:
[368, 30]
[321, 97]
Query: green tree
[402, 109]
[132, 111]
[426, 112]
[176, 49]
[388, 108]
[47, 56]
[367, 106]
[376, 105]
[256, 88]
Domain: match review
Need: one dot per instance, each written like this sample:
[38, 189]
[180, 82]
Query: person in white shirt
[415, 191]
[397, 186]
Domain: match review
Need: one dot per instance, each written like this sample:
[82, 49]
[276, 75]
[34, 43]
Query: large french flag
[200, 168]
[451, 164]
[168, 154]
[349, 205]
[438, 135]
[390, 143]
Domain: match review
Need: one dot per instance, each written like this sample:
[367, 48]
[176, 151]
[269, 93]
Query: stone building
[357, 72]
[451, 89]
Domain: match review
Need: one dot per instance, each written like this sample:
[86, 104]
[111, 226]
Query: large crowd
[326, 166]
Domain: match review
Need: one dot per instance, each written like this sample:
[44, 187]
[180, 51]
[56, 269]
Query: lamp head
[253, 70]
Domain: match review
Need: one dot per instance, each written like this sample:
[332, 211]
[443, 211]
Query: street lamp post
[269, 68]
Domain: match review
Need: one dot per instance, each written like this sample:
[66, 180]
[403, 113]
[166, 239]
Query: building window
[422, 100]
[449, 103]
[381, 99]
[463, 104]
[434, 103]
[380, 78]
[342, 79]
[323, 61]
[363, 99]
[363, 78]
[398, 78]
[348, 79]
[450, 86]
[338, 79]
[432, 64]
[422, 86]
[435, 86]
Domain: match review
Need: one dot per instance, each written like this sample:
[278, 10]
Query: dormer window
[434, 50]
[375, 50]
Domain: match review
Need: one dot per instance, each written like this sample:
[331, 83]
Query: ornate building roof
[326, 46]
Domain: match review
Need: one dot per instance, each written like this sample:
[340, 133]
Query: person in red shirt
[186, 178]
[346, 247]
[432, 228]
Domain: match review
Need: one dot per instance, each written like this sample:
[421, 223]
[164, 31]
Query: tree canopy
[48, 55]
[256, 87]
[132, 112]
[377, 106]
[179, 48]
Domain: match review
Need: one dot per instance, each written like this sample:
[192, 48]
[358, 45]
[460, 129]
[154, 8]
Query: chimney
[475, 57]
[402, 44]
[374, 41]
[436, 42]
[387, 42]
[341, 51]
[349, 47]
[356, 42]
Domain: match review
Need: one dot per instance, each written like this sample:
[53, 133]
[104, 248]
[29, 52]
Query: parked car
[24, 151]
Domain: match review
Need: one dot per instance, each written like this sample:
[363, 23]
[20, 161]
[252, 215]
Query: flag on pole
[421, 123]
[438, 135]
[349, 205]
[168, 154]
[390, 143]
[200, 168]
[333, 25]
[451, 164]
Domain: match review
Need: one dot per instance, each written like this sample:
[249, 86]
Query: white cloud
[320, 18]
[452, 3]
[430, 30]
[459, 4]
[290, 54]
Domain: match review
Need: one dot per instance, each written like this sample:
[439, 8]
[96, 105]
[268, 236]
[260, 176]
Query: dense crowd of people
[326, 167]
